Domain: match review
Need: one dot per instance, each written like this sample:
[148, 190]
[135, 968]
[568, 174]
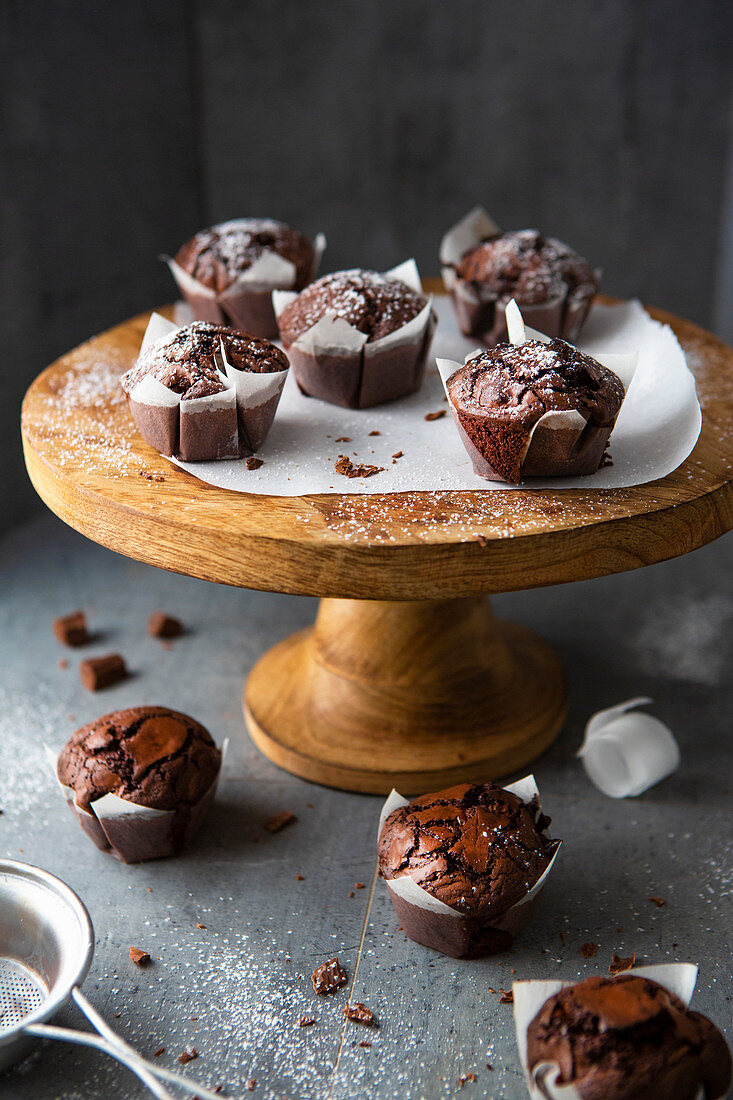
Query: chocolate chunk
[158, 1052]
[359, 1013]
[346, 467]
[375, 432]
[618, 965]
[588, 950]
[188, 1056]
[659, 902]
[140, 958]
[253, 463]
[397, 454]
[507, 997]
[279, 821]
[101, 672]
[328, 977]
[200, 925]
[436, 415]
[161, 625]
[72, 629]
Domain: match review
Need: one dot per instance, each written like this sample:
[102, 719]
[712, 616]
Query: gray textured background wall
[125, 127]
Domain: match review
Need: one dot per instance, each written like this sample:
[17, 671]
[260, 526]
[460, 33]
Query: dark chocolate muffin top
[149, 755]
[522, 382]
[628, 1038]
[478, 848]
[529, 267]
[372, 303]
[217, 256]
[185, 363]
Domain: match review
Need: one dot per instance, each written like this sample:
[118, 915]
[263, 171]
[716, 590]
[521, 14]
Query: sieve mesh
[21, 992]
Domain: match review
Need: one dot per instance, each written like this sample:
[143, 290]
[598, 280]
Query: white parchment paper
[656, 430]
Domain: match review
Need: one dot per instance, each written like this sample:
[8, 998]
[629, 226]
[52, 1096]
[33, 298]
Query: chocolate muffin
[534, 410]
[628, 1038]
[211, 405]
[478, 850]
[553, 285]
[227, 273]
[358, 338]
[162, 763]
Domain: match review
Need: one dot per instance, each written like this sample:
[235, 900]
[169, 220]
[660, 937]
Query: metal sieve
[46, 948]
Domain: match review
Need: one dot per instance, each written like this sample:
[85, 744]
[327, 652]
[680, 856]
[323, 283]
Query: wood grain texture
[415, 696]
[89, 465]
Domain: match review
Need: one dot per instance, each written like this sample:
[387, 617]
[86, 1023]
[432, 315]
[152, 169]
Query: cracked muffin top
[372, 303]
[477, 848]
[152, 756]
[628, 1037]
[215, 257]
[527, 266]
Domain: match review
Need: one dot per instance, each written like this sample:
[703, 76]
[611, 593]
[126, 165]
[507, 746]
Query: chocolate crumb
[117, 1014]
[63, 663]
[507, 997]
[352, 894]
[398, 454]
[328, 977]
[161, 625]
[188, 1056]
[467, 1077]
[200, 925]
[299, 878]
[306, 1021]
[158, 1052]
[659, 902]
[343, 439]
[359, 1013]
[150, 476]
[359, 885]
[279, 821]
[588, 950]
[436, 415]
[618, 965]
[140, 958]
[365, 1043]
[254, 463]
[102, 672]
[346, 467]
[252, 1084]
[375, 432]
[482, 541]
[72, 629]
[489, 1066]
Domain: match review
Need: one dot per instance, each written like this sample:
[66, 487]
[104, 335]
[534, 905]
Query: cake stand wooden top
[88, 463]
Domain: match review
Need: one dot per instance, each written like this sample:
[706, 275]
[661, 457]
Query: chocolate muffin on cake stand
[406, 679]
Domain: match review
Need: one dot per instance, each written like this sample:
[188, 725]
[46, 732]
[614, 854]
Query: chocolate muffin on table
[484, 269]
[358, 338]
[205, 391]
[475, 851]
[227, 273]
[628, 1038]
[534, 409]
[140, 780]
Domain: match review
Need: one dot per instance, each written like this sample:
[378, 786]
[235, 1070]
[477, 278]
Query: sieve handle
[112, 1044]
[84, 1038]
[117, 1041]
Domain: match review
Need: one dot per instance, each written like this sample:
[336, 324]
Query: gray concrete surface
[236, 989]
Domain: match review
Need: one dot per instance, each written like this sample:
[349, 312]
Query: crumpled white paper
[406, 887]
[625, 753]
[656, 430]
[529, 997]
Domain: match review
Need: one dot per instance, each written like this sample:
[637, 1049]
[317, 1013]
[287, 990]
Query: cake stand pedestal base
[414, 695]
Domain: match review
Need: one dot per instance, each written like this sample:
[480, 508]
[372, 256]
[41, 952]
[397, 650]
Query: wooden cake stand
[406, 679]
